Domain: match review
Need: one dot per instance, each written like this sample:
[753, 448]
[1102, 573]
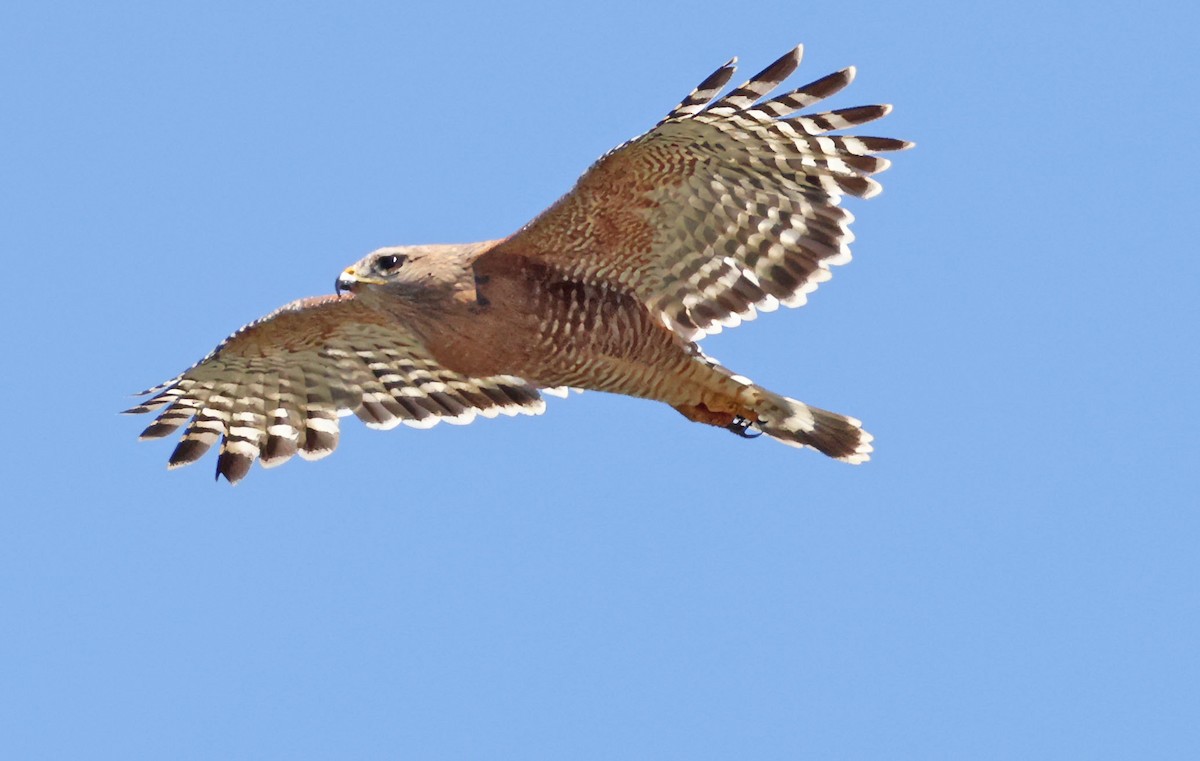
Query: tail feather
[798, 425]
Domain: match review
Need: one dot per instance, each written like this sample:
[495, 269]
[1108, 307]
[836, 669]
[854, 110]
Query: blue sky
[1013, 576]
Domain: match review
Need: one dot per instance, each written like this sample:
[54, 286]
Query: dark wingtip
[233, 466]
[187, 451]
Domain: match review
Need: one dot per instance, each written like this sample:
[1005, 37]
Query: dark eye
[389, 262]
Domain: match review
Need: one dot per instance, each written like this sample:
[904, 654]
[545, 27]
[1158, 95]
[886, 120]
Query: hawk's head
[412, 273]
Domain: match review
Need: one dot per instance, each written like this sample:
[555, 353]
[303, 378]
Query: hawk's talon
[744, 427]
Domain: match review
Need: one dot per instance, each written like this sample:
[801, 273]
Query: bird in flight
[728, 207]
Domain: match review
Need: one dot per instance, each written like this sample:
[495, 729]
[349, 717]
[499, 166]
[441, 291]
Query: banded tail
[799, 425]
[752, 407]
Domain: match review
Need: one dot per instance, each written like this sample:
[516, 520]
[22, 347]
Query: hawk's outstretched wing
[726, 207]
[276, 387]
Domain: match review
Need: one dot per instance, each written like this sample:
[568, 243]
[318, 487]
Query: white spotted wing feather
[729, 206]
[277, 387]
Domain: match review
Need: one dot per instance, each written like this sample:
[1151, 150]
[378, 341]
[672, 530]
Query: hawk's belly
[555, 332]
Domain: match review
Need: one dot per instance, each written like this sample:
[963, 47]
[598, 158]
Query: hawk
[728, 207]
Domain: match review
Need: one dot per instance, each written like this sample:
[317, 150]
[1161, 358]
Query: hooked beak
[350, 280]
[345, 281]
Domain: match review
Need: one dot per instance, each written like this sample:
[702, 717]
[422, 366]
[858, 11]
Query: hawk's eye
[389, 262]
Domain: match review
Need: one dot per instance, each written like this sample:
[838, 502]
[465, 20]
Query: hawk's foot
[744, 427]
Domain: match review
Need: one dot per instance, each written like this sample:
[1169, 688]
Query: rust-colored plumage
[728, 207]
